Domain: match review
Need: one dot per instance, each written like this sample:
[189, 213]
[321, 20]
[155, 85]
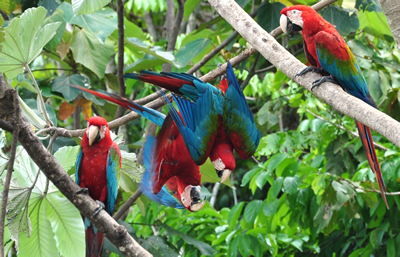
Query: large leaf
[375, 23]
[131, 167]
[66, 156]
[57, 16]
[90, 52]
[251, 211]
[101, 23]
[24, 39]
[186, 53]
[84, 7]
[268, 15]
[155, 51]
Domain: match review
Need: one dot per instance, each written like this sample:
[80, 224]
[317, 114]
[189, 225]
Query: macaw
[171, 157]
[213, 121]
[97, 173]
[330, 56]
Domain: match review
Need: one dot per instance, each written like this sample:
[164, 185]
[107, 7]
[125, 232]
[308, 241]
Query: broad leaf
[155, 51]
[61, 84]
[186, 53]
[291, 184]
[131, 167]
[344, 20]
[234, 214]
[90, 52]
[24, 39]
[251, 211]
[66, 156]
[268, 15]
[84, 7]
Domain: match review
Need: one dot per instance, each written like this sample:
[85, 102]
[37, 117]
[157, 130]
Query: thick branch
[330, 93]
[116, 233]
[391, 9]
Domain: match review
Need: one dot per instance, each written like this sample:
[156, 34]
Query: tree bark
[330, 93]
[391, 9]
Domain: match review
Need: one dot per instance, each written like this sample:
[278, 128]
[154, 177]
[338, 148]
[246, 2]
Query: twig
[252, 72]
[264, 69]
[214, 194]
[120, 67]
[10, 168]
[127, 204]
[235, 200]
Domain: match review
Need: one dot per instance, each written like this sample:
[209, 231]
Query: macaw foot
[83, 191]
[308, 69]
[324, 79]
[98, 209]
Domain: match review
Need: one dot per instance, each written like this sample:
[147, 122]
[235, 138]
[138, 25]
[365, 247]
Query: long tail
[369, 149]
[152, 115]
[94, 240]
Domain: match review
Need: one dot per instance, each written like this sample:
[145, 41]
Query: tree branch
[127, 204]
[330, 93]
[391, 9]
[116, 233]
[4, 199]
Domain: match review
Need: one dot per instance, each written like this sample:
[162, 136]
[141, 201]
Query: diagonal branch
[330, 93]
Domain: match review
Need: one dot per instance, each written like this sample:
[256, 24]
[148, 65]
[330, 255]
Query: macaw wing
[114, 162]
[78, 168]
[336, 58]
[197, 122]
[238, 119]
[163, 197]
[148, 113]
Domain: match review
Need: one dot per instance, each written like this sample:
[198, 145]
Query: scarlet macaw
[329, 54]
[213, 121]
[97, 173]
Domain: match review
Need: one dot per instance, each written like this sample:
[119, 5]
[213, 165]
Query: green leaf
[376, 237]
[90, 52]
[42, 242]
[262, 178]
[61, 84]
[17, 212]
[66, 156]
[344, 20]
[275, 161]
[203, 247]
[57, 16]
[155, 51]
[24, 39]
[84, 7]
[66, 223]
[290, 184]
[158, 247]
[251, 211]
[189, 7]
[27, 85]
[268, 15]
[271, 208]
[375, 23]
[104, 19]
[234, 214]
[131, 167]
[249, 175]
[391, 248]
[269, 145]
[186, 53]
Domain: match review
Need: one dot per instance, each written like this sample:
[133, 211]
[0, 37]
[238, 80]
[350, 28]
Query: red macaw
[165, 157]
[97, 173]
[329, 55]
[213, 121]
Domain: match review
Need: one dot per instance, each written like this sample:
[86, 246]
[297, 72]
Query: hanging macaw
[329, 55]
[175, 160]
[213, 121]
[97, 173]
[167, 160]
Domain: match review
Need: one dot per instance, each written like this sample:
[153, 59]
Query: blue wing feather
[113, 169]
[238, 119]
[77, 168]
[146, 186]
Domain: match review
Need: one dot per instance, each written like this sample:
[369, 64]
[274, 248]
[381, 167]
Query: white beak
[92, 133]
[283, 23]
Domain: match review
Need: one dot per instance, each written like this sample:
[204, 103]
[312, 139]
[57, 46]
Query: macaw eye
[294, 11]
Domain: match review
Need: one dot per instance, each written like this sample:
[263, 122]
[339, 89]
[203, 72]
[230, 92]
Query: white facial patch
[295, 17]
[102, 132]
[218, 164]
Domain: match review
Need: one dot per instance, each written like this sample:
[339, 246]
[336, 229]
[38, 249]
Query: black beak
[195, 195]
[291, 27]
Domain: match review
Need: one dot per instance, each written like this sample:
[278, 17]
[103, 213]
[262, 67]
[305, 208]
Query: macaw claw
[308, 69]
[98, 209]
[318, 82]
[83, 191]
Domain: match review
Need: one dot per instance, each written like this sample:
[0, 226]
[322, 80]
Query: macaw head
[293, 17]
[223, 160]
[97, 129]
[191, 198]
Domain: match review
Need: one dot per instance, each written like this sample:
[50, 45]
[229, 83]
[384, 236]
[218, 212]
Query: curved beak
[93, 134]
[196, 203]
[283, 22]
[223, 175]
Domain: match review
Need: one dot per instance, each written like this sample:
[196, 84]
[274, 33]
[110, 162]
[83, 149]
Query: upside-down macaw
[329, 54]
[213, 121]
[168, 152]
[97, 173]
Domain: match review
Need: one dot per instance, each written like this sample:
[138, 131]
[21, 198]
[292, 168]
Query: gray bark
[391, 9]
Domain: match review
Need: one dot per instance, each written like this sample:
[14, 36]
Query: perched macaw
[329, 55]
[167, 160]
[97, 173]
[213, 121]
[175, 160]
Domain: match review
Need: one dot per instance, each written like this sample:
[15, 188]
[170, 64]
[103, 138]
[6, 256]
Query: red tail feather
[369, 149]
[169, 83]
[94, 242]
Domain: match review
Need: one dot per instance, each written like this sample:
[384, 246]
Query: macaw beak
[93, 134]
[223, 175]
[196, 203]
[287, 25]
